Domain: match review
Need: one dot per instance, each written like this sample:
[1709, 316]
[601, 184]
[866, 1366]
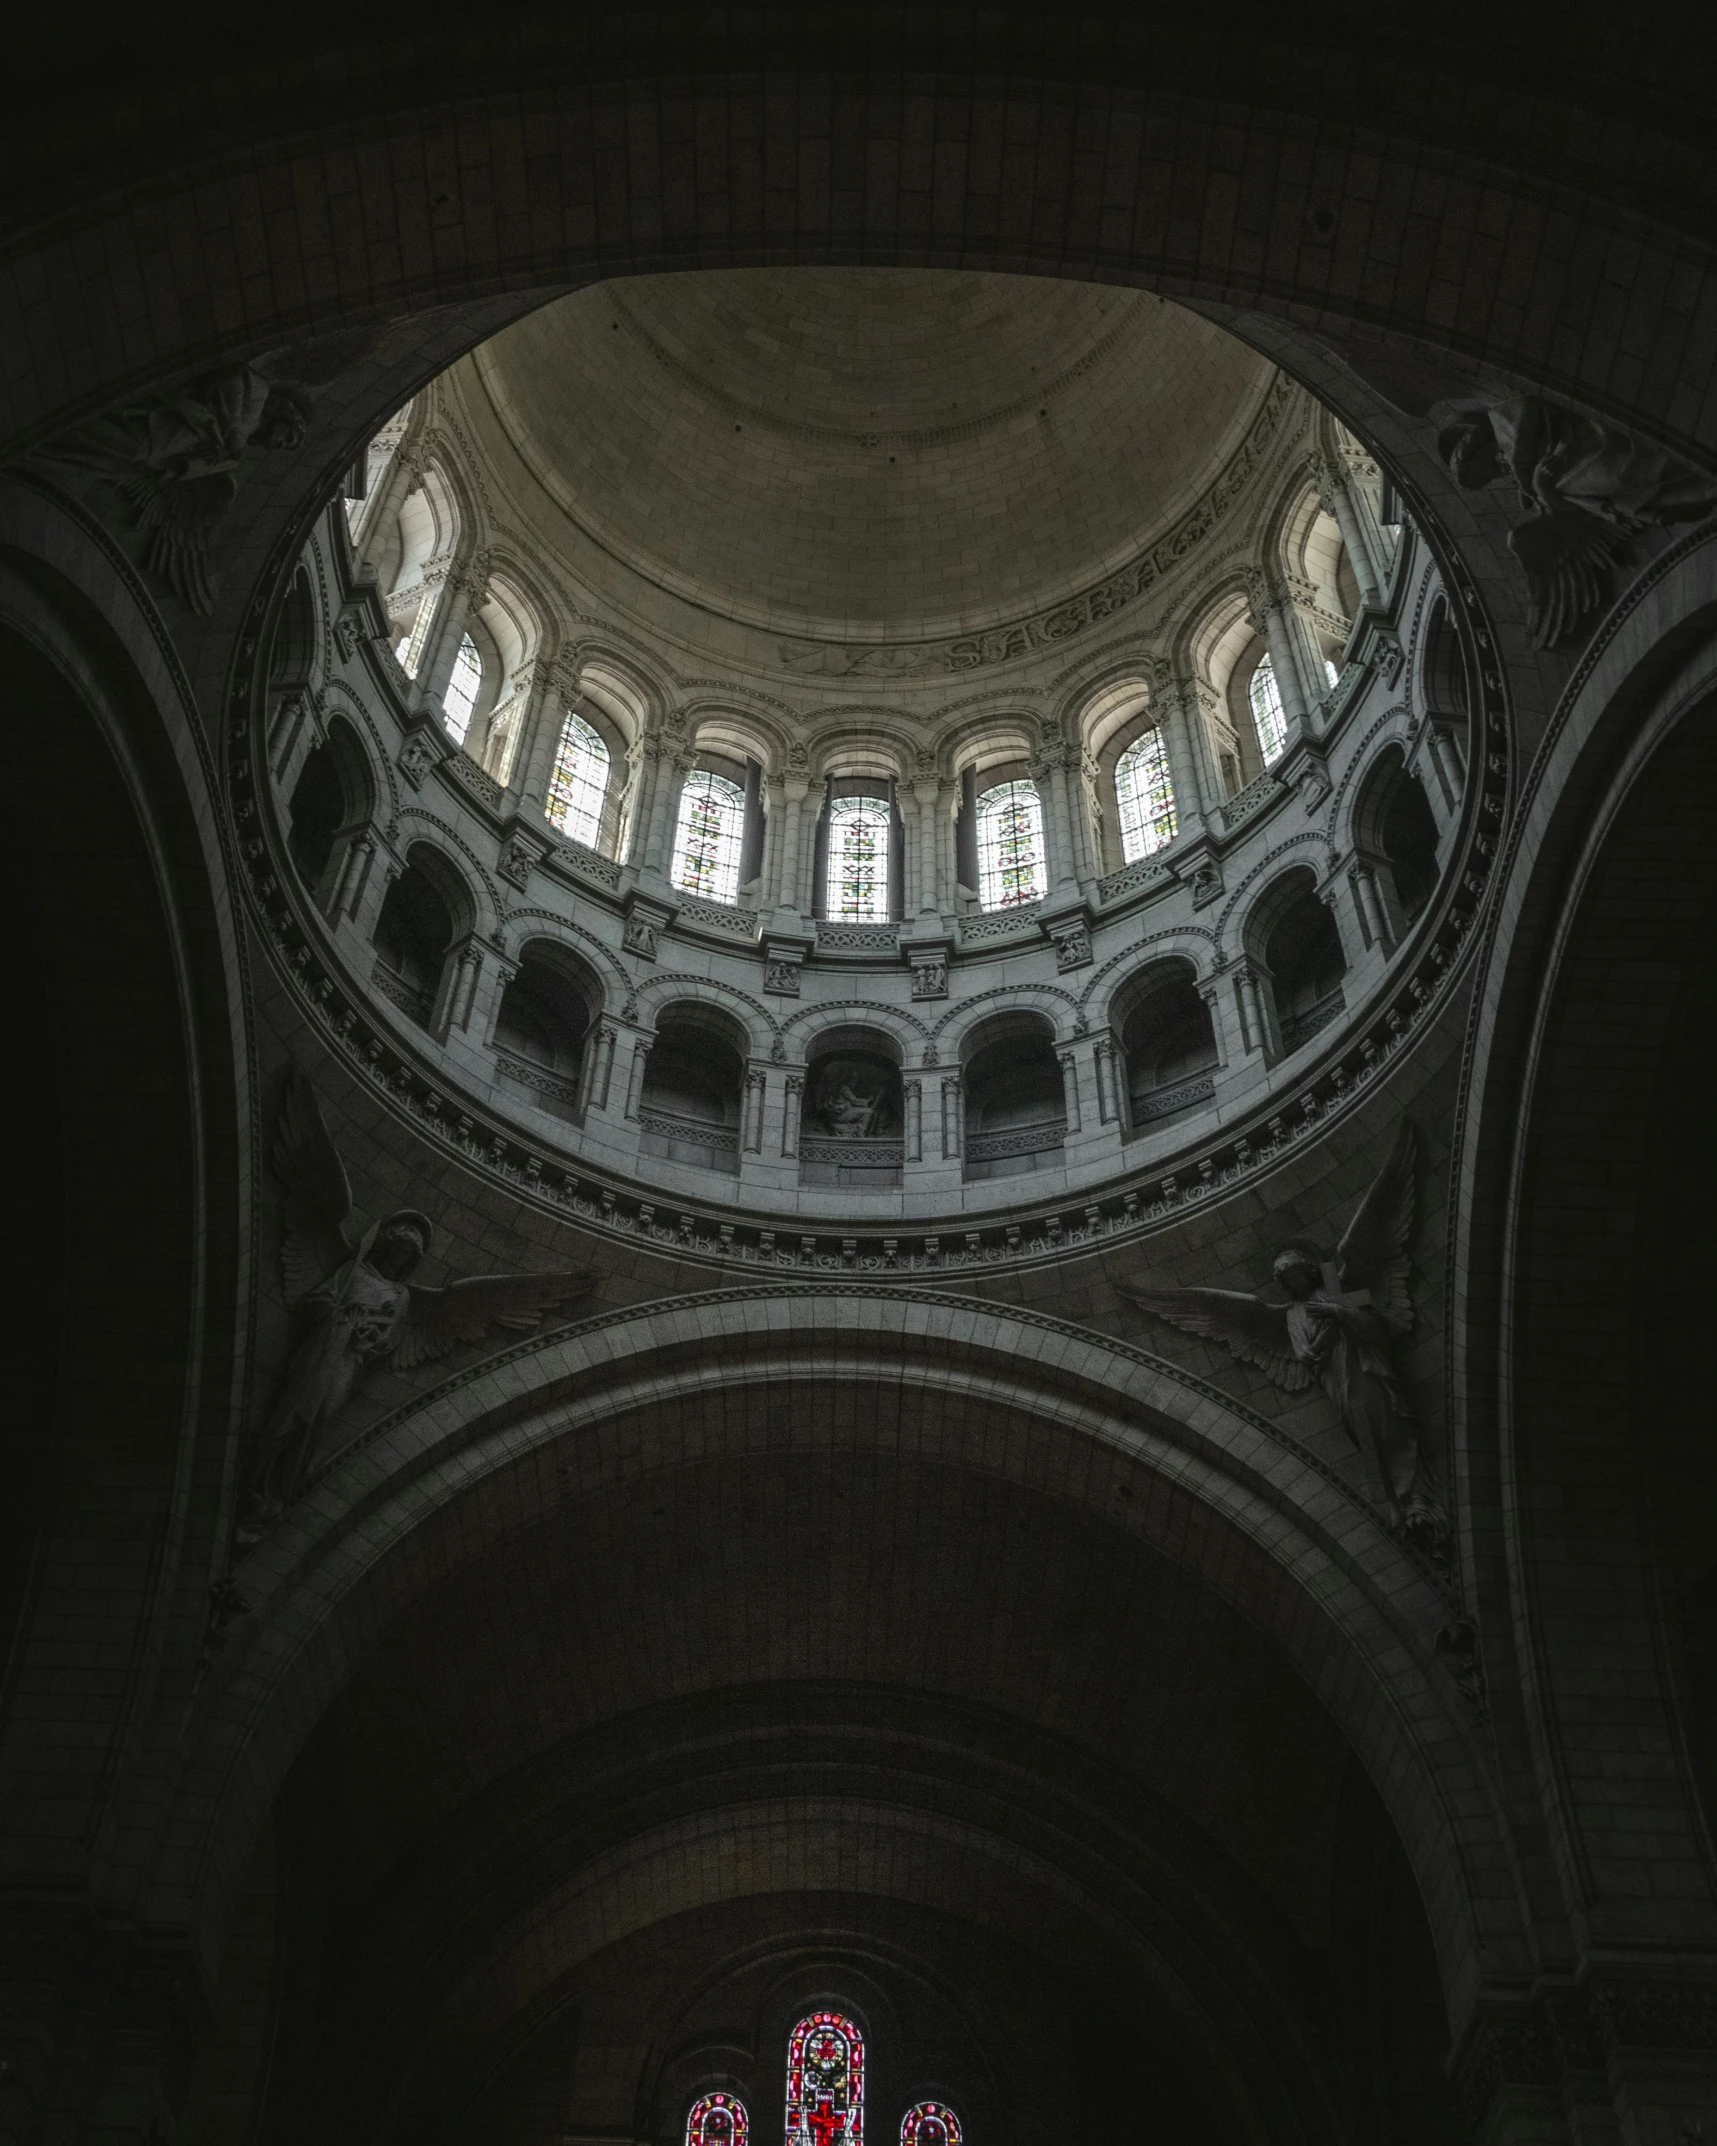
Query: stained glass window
[579, 783]
[1267, 711]
[708, 840]
[1010, 846]
[717, 2120]
[930, 2123]
[858, 859]
[825, 2082]
[461, 695]
[1144, 796]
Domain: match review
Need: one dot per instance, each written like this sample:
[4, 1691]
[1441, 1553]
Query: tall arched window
[1144, 797]
[717, 2120]
[461, 695]
[1267, 711]
[858, 859]
[825, 2082]
[709, 837]
[1010, 846]
[930, 2123]
[579, 783]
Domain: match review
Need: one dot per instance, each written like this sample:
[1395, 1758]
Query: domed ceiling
[859, 452]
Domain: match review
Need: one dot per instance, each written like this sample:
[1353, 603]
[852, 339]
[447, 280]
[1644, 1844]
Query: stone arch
[750, 1019]
[1290, 1545]
[1573, 1096]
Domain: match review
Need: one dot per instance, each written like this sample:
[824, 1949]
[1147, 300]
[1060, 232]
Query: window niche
[542, 1026]
[1015, 1104]
[331, 800]
[1395, 839]
[1168, 1044]
[718, 830]
[422, 913]
[1008, 842]
[1299, 949]
[694, 1086]
[852, 1126]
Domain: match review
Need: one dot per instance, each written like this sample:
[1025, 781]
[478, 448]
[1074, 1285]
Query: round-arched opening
[1300, 949]
[694, 1084]
[1015, 1102]
[541, 1026]
[1395, 836]
[292, 652]
[1168, 1043]
[851, 1134]
[414, 935]
[333, 795]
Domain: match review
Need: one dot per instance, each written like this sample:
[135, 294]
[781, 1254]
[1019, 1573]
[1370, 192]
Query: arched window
[930, 2123]
[1144, 797]
[461, 695]
[709, 837]
[858, 859]
[825, 2082]
[1010, 846]
[579, 783]
[1267, 711]
[717, 2120]
[1331, 671]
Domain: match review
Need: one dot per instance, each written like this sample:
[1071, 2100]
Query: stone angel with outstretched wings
[1336, 1330]
[355, 1302]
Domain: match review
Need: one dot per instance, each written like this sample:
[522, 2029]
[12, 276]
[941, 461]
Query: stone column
[1224, 1023]
[912, 1117]
[1342, 904]
[672, 768]
[539, 739]
[1049, 772]
[790, 1117]
[937, 885]
[1271, 615]
[1174, 702]
[1069, 1060]
[597, 1070]
[953, 1118]
[1257, 1010]
[463, 593]
[789, 894]
[1378, 925]
[402, 476]
[751, 1117]
[1330, 480]
[635, 1077]
[1106, 1064]
[352, 875]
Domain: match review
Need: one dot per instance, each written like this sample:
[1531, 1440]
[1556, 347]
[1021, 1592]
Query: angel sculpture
[355, 1300]
[1336, 1329]
[176, 463]
[1587, 486]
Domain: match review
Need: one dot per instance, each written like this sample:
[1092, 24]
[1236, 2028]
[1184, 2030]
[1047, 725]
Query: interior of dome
[861, 901]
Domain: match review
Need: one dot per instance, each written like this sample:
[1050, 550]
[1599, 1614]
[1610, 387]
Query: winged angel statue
[1586, 487]
[356, 1303]
[1336, 1329]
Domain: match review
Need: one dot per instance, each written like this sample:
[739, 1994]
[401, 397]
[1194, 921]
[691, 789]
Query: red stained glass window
[930, 2123]
[825, 2082]
[717, 2120]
